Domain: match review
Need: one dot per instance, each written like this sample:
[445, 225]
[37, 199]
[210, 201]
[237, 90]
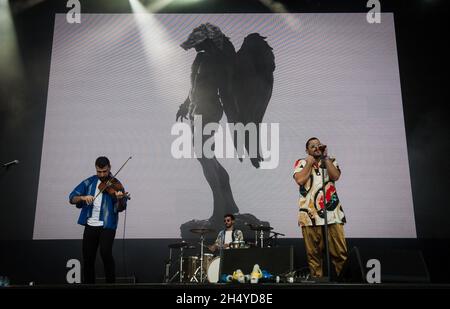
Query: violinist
[101, 197]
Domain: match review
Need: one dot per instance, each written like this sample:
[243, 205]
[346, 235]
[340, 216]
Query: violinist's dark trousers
[93, 237]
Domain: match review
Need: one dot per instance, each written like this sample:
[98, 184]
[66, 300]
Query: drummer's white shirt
[228, 237]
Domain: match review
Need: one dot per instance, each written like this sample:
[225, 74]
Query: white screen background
[115, 85]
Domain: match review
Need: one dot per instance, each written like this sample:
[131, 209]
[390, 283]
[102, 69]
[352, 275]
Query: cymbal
[179, 245]
[201, 231]
[261, 228]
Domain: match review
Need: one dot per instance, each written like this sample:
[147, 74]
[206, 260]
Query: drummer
[228, 235]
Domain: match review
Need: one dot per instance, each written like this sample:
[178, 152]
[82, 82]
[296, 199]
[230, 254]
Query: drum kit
[260, 229]
[205, 267]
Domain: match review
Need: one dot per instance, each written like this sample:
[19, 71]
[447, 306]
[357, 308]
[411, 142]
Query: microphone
[316, 169]
[11, 163]
[322, 147]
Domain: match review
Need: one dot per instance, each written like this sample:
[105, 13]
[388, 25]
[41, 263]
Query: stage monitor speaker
[396, 266]
[278, 260]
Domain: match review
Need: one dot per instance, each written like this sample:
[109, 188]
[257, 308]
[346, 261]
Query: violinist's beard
[103, 179]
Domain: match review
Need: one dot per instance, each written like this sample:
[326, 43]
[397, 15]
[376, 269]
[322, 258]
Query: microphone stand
[325, 229]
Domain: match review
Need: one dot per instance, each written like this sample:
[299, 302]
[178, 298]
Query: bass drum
[213, 270]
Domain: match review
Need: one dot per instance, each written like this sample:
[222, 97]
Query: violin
[112, 186]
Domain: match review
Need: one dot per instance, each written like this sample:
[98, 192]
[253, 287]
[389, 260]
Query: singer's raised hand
[310, 159]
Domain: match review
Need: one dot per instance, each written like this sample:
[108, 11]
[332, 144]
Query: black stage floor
[207, 295]
[232, 286]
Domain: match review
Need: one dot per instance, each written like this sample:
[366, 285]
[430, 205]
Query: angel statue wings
[238, 84]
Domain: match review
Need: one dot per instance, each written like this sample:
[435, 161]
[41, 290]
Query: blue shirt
[109, 209]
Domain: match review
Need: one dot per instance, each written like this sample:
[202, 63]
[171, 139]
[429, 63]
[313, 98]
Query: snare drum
[213, 270]
[207, 259]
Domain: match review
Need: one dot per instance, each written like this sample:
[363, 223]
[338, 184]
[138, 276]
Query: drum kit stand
[181, 274]
[260, 229]
[202, 232]
[197, 273]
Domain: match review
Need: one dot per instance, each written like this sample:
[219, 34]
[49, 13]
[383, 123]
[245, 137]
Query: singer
[308, 175]
[99, 215]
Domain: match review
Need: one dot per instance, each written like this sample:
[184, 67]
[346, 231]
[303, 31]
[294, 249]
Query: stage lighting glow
[160, 53]
[279, 8]
[10, 64]
[153, 7]
[153, 35]
[184, 2]
[7, 36]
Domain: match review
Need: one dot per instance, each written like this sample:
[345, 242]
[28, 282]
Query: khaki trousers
[314, 245]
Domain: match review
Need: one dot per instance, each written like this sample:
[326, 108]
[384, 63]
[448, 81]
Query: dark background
[423, 60]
